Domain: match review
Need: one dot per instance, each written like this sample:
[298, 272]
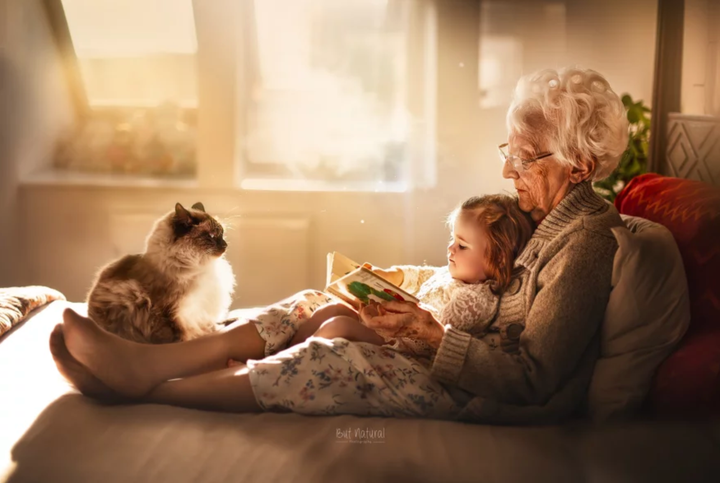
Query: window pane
[135, 52]
[137, 59]
[329, 101]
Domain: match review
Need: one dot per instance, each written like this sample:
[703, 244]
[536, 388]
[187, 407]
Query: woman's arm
[572, 294]
[573, 289]
[402, 319]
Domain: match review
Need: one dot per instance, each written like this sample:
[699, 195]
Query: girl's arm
[471, 308]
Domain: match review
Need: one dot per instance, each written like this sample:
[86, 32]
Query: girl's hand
[403, 319]
[395, 276]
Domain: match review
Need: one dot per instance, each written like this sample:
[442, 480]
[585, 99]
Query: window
[135, 52]
[137, 64]
[329, 101]
[320, 91]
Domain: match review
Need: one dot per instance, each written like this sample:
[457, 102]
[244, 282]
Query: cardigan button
[513, 331]
[514, 286]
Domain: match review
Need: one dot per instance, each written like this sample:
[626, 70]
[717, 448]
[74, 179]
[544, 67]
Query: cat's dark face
[195, 230]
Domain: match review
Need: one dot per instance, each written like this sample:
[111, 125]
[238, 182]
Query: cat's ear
[198, 206]
[182, 215]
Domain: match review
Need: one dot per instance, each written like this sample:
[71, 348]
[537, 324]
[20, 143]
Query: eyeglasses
[519, 164]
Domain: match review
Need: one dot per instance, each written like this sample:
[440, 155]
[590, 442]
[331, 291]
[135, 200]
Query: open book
[355, 284]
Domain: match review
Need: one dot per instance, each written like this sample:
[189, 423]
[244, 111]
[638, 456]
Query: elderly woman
[533, 365]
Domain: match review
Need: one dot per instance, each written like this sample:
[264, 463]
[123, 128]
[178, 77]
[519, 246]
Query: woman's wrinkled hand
[402, 319]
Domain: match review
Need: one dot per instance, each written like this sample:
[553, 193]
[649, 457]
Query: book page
[363, 285]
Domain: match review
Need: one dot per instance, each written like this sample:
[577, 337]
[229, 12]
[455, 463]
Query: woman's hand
[403, 319]
[395, 275]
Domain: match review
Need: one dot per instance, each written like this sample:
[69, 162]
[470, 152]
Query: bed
[50, 433]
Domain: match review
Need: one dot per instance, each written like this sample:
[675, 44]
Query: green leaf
[634, 160]
[645, 143]
[633, 116]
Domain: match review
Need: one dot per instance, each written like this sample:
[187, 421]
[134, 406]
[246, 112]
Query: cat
[179, 289]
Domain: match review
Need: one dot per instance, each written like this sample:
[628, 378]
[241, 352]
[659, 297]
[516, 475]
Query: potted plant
[634, 160]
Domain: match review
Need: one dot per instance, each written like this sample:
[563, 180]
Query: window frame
[226, 64]
[60, 32]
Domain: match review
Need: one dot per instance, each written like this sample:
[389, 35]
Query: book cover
[338, 265]
[355, 284]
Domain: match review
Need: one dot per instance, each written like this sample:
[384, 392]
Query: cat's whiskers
[231, 210]
[225, 222]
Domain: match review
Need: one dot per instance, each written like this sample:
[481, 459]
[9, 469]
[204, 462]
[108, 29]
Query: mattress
[50, 433]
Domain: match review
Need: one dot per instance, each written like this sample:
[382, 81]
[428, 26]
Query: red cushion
[691, 211]
[687, 382]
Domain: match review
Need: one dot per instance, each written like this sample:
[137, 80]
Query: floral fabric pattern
[278, 323]
[328, 377]
[323, 377]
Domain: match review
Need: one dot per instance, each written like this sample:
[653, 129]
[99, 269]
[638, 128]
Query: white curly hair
[576, 113]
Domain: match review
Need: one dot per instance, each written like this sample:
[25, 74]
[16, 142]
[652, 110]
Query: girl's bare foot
[76, 373]
[109, 358]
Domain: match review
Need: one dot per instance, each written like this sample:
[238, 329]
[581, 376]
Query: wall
[700, 91]
[277, 243]
[35, 109]
[616, 38]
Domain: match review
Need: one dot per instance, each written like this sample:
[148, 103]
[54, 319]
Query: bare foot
[76, 373]
[109, 358]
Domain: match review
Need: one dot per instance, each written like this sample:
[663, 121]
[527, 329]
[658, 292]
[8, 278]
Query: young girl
[488, 232]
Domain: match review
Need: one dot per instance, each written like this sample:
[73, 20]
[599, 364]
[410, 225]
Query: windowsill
[75, 179]
[110, 104]
[56, 177]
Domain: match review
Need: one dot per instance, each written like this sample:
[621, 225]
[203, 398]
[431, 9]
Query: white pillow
[647, 315]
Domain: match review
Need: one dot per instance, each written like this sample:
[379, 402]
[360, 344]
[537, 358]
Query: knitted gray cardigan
[558, 298]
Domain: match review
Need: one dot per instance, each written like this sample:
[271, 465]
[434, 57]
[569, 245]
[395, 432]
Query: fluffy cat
[179, 289]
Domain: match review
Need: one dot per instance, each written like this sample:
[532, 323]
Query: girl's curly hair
[508, 229]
